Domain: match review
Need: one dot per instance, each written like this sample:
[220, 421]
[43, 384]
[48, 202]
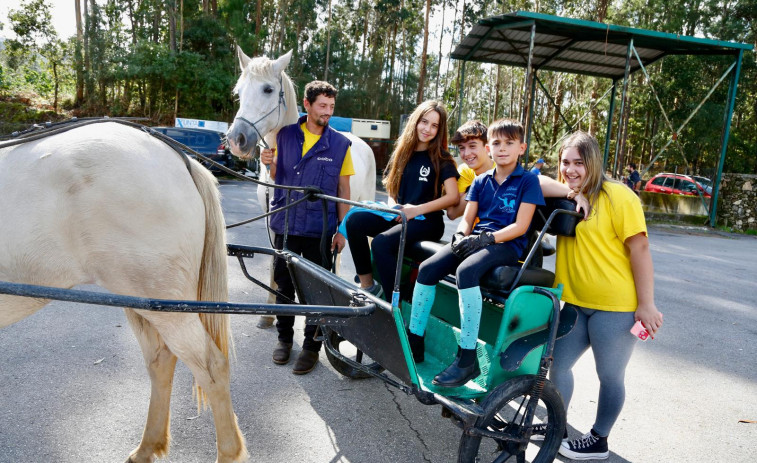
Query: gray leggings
[607, 333]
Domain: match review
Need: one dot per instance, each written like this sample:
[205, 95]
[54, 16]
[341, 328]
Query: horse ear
[243, 59]
[282, 62]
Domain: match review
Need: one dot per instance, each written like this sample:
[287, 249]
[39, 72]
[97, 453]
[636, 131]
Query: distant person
[536, 169]
[634, 179]
[608, 278]
[470, 139]
[421, 180]
[309, 153]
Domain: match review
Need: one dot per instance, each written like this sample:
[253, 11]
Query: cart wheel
[506, 414]
[337, 346]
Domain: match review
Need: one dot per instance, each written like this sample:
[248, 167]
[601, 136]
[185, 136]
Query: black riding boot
[417, 346]
[462, 370]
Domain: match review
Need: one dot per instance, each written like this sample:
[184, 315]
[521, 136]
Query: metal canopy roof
[577, 46]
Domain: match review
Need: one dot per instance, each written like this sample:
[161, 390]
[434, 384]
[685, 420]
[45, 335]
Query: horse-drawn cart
[499, 412]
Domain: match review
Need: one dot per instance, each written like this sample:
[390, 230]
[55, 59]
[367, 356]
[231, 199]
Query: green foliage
[134, 63]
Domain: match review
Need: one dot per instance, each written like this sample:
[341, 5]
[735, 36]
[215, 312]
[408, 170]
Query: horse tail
[213, 280]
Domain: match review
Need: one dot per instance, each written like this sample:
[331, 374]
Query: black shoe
[417, 346]
[462, 370]
[590, 446]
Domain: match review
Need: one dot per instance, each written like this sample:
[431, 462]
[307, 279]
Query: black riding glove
[472, 243]
[456, 238]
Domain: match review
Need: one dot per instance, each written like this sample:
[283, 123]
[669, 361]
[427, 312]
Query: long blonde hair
[588, 148]
[437, 148]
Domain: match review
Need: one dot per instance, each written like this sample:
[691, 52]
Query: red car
[676, 184]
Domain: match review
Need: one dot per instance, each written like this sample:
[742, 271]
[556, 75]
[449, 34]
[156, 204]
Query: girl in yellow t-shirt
[608, 279]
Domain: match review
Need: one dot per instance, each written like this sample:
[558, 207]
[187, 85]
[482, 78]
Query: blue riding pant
[607, 333]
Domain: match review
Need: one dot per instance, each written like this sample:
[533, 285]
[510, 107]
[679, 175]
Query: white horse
[107, 204]
[268, 102]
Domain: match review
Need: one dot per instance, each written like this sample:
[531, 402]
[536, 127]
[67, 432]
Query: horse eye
[268, 89]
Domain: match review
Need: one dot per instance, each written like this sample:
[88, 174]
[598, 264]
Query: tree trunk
[172, 26]
[439, 61]
[556, 122]
[258, 13]
[424, 55]
[328, 44]
[156, 26]
[496, 92]
[78, 55]
[451, 48]
[390, 84]
[365, 34]
[55, 79]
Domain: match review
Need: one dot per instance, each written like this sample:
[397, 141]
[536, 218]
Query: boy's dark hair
[319, 87]
[469, 131]
[507, 128]
[632, 165]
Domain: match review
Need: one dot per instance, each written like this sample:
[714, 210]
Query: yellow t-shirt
[595, 266]
[467, 175]
[311, 139]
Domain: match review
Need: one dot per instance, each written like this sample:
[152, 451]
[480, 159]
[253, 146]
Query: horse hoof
[266, 321]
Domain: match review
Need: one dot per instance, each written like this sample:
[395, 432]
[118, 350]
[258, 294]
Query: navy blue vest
[320, 167]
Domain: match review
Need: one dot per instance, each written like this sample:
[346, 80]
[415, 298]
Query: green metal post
[623, 99]
[530, 118]
[529, 92]
[608, 134]
[726, 133]
[462, 95]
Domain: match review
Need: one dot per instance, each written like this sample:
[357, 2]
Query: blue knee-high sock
[470, 316]
[423, 299]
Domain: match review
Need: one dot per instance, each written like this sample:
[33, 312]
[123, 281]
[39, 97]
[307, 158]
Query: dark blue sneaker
[590, 446]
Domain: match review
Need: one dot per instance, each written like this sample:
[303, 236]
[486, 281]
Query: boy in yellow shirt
[470, 139]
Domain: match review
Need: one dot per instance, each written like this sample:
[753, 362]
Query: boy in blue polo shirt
[504, 200]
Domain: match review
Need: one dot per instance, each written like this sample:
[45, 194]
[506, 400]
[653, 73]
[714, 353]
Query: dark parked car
[207, 142]
[676, 184]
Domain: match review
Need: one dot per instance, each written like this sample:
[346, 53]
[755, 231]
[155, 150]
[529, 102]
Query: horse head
[266, 101]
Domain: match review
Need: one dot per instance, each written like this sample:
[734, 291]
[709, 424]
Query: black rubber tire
[499, 415]
[334, 341]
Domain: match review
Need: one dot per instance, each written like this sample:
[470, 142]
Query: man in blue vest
[308, 153]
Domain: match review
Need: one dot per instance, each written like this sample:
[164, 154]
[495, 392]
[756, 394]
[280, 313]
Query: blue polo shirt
[498, 204]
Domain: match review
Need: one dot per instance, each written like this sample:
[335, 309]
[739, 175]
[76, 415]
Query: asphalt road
[73, 387]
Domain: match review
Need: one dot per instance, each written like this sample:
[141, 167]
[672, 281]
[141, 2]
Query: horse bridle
[282, 102]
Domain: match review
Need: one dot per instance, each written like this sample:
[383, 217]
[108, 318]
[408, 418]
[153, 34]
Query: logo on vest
[324, 159]
[425, 171]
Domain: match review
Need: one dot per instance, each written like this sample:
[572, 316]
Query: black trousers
[468, 271]
[386, 243]
[310, 249]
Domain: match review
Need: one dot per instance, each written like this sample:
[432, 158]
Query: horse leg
[186, 337]
[16, 308]
[160, 363]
